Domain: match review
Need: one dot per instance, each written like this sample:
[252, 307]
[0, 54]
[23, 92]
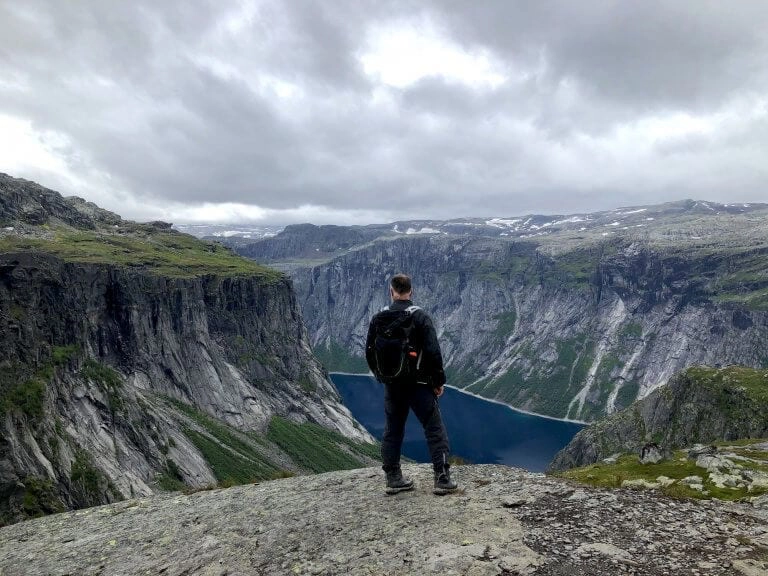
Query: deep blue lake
[480, 431]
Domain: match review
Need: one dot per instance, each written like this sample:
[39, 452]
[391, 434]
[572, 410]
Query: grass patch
[631, 330]
[547, 391]
[306, 383]
[22, 390]
[100, 374]
[107, 379]
[234, 459]
[27, 397]
[462, 375]
[753, 382]
[88, 482]
[318, 449]
[230, 454]
[229, 466]
[60, 355]
[506, 325]
[40, 497]
[627, 394]
[628, 467]
[171, 479]
[166, 253]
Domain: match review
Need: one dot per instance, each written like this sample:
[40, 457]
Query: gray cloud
[170, 105]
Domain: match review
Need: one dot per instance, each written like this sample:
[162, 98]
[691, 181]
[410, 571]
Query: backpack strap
[412, 309]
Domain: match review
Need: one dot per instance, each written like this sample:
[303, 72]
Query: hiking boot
[396, 483]
[443, 482]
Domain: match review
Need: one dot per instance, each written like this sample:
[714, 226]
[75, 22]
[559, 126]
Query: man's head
[400, 287]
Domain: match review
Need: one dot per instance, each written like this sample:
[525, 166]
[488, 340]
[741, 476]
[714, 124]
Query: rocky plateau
[503, 521]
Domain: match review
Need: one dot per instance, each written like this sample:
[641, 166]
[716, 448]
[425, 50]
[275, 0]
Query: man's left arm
[432, 355]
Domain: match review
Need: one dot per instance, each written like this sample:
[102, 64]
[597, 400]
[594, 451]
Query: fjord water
[480, 431]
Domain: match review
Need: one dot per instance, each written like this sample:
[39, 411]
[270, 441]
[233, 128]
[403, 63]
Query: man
[414, 383]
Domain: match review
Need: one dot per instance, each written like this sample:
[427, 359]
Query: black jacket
[423, 339]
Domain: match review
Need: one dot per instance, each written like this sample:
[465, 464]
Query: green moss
[753, 382]
[60, 355]
[603, 384]
[478, 386]
[233, 458]
[108, 381]
[88, 482]
[18, 313]
[336, 358]
[229, 465]
[575, 268]
[100, 374]
[166, 253]
[53, 445]
[628, 467]
[316, 448]
[462, 375]
[306, 383]
[26, 397]
[171, 479]
[627, 394]
[744, 442]
[631, 330]
[506, 324]
[547, 391]
[756, 300]
[40, 497]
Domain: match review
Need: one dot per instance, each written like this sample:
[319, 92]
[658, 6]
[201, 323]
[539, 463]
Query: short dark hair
[401, 283]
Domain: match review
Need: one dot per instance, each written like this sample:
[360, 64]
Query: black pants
[398, 399]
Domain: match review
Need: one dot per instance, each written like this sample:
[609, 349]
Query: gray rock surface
[342, 523]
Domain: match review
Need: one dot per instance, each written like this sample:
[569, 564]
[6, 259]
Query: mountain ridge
[136, 358]
[571, 323]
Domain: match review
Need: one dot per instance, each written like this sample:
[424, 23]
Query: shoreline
[519, 410]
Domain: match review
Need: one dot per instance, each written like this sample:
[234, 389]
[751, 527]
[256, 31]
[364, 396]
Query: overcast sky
[350, 111]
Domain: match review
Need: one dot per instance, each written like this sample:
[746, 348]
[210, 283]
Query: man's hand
[439, 391]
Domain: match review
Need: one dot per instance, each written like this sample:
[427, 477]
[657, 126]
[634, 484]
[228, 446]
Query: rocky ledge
[502, 521]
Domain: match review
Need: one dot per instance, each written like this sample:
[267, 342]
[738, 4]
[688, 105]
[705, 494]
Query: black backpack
[394, 356]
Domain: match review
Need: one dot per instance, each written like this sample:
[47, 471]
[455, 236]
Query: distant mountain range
[246, 232]
[572, 316]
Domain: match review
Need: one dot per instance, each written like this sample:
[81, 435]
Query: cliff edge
[503, 521]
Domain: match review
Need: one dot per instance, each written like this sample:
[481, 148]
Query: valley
[567, 316]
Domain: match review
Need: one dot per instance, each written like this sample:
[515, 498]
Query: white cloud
[215, 213]
[23, 148]
[401, 53]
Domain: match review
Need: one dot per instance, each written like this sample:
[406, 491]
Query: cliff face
[700, 405]
[580, 332]
[122, 377]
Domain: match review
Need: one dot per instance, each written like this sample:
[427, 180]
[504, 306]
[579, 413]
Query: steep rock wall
[93, 357]
[577, 334]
